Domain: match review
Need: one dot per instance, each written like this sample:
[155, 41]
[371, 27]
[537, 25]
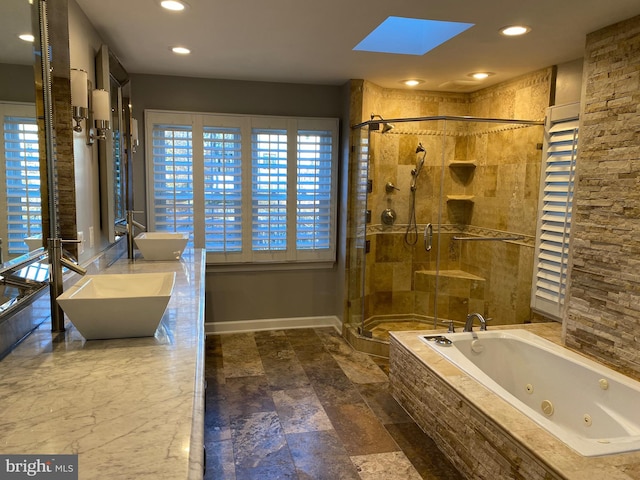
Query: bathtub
[592, 409]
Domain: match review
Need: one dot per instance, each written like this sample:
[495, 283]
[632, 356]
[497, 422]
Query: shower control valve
[388, 216]
[390, 187]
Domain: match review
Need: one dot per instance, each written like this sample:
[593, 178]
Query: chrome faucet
[131, 226]
[57, 259]
[468, 326]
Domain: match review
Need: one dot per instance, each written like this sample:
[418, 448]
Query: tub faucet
[468, 326]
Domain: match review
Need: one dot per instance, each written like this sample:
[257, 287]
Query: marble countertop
[560, 458]
[130, 408]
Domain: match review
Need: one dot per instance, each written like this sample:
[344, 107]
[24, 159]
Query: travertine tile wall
[504, 185]
[603, 317]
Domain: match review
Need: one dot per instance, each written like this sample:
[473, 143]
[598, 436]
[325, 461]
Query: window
[223, 189]
[172, 178]
[269, 190]
[314, 190]
[21, 177]
[250, 189]
[554, 212]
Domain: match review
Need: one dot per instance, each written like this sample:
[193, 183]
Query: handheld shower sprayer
[419, 164]
[411, 235]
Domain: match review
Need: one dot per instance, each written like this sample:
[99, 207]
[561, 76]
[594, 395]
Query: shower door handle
[428, 236]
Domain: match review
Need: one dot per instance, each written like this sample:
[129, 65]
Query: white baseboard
[242, 326]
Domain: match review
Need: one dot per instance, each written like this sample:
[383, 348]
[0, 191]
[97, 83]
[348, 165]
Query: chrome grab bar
[428, 237]
[488, 239]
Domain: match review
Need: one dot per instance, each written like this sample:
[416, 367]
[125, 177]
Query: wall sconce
[101, 115]
[79, 97]
[135, 139]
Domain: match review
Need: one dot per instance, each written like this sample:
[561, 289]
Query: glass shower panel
[442, 223]
[356, 238]
[405, 167]
[488, 228]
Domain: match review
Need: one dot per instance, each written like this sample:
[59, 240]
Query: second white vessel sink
[118, 305]
[34, 242]
[161, 245]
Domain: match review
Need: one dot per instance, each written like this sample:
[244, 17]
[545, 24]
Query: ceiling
[311, 42]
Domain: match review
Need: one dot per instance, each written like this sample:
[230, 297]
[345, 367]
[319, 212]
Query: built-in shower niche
[460, 209]
[459, 294]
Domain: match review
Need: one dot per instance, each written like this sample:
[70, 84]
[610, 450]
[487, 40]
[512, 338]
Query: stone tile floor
[302, 404]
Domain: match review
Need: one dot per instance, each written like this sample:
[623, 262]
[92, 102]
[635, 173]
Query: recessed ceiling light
[27, 37]
[173, 5]
[410, 36]
[412, 82]
[515, 30]
[480, 75]
[181, 50]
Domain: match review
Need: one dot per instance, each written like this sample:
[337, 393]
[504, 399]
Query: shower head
[376, 125]
[420, 148]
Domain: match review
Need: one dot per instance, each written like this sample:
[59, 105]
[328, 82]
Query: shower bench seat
[457, 290]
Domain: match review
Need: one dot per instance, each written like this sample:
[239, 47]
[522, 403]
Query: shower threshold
[373, 336]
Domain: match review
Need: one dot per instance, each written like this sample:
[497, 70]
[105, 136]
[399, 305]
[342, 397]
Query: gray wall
[16, 83]
[246, 295]
[569, 82]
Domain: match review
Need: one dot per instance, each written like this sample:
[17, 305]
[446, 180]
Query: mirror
[20, 198]
[17, 79]
[39, 165]
[115, 151]
[122, 153]
[119, 130]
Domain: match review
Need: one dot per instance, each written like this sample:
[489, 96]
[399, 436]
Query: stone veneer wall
[603, 316]
[484, 451]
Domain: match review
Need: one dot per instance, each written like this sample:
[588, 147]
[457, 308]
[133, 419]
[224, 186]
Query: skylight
[410, 36]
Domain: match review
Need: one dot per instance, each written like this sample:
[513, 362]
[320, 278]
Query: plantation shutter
[269, 190]
[172, 177]
[22, 180]
[314, 190]
[362, 190]
[223, 189]
[554, 222]
[251, 189]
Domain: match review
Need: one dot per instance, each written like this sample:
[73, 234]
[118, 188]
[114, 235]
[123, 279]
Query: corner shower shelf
[463, 164]
[460, 198]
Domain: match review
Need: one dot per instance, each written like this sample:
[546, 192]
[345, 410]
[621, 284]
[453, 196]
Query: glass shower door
[356, 226]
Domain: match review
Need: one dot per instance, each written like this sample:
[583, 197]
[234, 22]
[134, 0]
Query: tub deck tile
[548, 456]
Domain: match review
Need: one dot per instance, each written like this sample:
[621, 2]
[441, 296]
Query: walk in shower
[442, 222]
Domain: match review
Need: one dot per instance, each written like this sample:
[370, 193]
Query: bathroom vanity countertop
[130, 408]
[561, 459]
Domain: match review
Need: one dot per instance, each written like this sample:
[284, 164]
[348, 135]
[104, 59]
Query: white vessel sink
[118, 305]
[161, 245]
[34, 242]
